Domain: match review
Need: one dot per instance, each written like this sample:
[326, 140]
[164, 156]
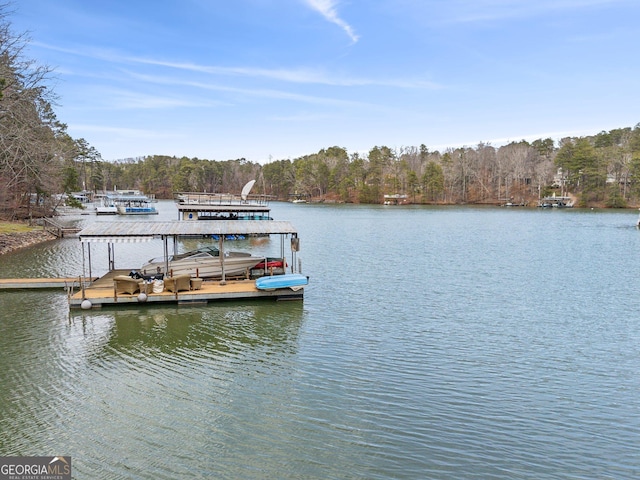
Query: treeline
[600, 170]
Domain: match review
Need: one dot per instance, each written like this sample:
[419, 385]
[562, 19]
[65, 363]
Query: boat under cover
[204, 262]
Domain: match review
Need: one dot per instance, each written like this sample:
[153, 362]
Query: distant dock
[211, 206]
[555, 202]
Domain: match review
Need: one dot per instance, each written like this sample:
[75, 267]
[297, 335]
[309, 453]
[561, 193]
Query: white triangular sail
[246, 189]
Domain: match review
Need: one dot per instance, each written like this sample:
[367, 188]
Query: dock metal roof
[184, 207]
[114, 232]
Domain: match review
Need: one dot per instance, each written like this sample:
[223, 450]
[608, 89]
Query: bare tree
[29, 158]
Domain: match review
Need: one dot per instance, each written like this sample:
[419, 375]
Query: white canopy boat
[106, 206]
[204, 262]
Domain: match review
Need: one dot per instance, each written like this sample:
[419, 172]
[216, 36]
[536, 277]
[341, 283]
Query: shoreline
[11, 242]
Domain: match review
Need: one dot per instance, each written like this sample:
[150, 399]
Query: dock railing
[198, 198]
[58, 229]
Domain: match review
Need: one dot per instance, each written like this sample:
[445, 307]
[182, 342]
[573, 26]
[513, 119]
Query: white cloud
[292, 75]
[300, 75]
[327, 8]
[248, 92]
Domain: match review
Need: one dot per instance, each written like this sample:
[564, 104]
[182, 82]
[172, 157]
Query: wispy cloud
[288, 75]
[300, 75]
[327, 8]
[249, 92]
[291, 75]
[135, 100]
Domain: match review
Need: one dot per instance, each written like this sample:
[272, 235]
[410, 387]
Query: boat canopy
[186, 207]
[128, 232]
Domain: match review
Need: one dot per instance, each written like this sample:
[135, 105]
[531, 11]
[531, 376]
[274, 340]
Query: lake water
[455, 342]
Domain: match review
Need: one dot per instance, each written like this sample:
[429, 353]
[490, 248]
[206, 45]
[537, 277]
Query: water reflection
[223, 328]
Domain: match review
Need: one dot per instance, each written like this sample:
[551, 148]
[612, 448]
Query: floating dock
[103, 291]
[216, 206]
[555, 202]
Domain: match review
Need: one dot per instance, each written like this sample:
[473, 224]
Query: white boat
[395, 199]
[204, 262]
[134, 203]
[106, 206]
[555, 202]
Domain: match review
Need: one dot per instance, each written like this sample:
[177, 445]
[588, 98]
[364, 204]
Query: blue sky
[278, 79]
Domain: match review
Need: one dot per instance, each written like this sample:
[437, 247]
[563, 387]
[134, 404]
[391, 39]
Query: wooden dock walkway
[106, 290]
[58, 229]
[102, 293]
[41, 283]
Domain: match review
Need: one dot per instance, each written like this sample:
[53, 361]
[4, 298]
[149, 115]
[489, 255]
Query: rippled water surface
[432, 343]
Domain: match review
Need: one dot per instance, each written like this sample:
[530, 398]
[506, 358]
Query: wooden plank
[17, 283]
[100, 294]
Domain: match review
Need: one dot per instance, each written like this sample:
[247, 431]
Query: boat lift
[102, 291]
[133, 232]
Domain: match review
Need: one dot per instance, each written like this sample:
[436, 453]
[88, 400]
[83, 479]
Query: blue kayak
[289, 280]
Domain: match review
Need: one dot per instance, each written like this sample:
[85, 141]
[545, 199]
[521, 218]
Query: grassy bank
[15, 227]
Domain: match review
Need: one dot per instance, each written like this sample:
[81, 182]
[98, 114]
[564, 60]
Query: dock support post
[221, 249]
[89, 254]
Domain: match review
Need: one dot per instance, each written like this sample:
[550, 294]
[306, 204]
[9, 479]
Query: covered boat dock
[223, 212]
[104, 292]
[218, 206]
